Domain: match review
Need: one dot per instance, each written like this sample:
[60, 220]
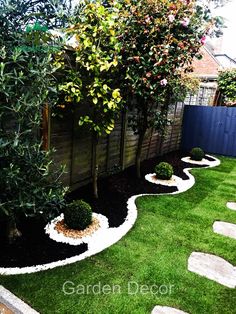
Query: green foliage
[15, 15]
[89, 69]
[184, 85]
[157, 39]
[227, 86]
[28, 185]
[197, 153]
[164, 171]
[168, 229]
[160, 38]
[89, 72]
[78, 215]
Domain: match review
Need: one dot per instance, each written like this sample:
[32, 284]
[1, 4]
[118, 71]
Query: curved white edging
[102, 241]
[182, 185]
[174, 180]
[60, 237]
[203, 162]
[106, 238]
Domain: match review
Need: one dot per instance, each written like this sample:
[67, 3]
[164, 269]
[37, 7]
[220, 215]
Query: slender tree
[161, 38]
[89, 71]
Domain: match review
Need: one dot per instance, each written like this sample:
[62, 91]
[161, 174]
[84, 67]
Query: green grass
[155, 251]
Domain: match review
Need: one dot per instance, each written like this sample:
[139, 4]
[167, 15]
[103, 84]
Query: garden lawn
[154, 252]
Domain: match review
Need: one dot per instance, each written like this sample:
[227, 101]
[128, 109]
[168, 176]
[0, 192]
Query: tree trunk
[12, 232]
[138, 153]
[95, 165]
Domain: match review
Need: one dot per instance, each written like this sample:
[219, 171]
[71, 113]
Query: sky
[229, 37]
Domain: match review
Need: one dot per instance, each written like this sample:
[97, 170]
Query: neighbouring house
[206, 69]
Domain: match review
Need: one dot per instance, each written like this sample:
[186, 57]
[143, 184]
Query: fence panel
[73, 145]
[211, 128]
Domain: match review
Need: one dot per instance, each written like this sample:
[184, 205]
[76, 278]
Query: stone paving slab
[213, 267]
[166, 310]
[13, 304]
[231, 205]
[225, 228]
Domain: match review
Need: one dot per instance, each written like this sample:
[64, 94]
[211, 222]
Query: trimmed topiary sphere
[78, 215]
[164, 171]
[197, 154]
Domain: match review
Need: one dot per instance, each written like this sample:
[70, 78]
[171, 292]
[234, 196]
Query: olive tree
[28, 188]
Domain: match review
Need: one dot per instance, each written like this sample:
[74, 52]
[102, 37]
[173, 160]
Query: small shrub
[78, 215]
[164, 171]
[197, 154]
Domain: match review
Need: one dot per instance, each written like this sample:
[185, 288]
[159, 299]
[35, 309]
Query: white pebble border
[109, 236]
[60, 237]
[173, 181]
[182, 185]
[203, 162]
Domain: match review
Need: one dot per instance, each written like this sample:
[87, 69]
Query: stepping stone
[213, 267]
[10, 304]
[225, 228]
[231, 205]
[166, 310]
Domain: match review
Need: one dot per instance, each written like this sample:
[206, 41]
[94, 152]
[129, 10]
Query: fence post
[123, 139]
[72, 148]
[108, 152]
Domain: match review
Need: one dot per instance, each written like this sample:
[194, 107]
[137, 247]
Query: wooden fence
[211, 128]
[116, 151]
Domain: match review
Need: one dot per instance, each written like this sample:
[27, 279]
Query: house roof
[225, 61]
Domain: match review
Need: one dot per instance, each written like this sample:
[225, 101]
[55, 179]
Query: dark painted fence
[211, 128]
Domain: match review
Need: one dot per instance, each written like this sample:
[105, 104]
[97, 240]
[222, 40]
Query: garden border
[109, 236]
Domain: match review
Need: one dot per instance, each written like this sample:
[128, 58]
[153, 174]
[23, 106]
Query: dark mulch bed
[209, 158]
[34, 247]
[115, 190]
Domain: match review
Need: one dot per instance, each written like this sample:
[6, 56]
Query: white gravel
[203, 162]
[107, 236]
[60, 237]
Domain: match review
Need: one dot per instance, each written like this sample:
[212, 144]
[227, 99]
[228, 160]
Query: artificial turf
[153, 254]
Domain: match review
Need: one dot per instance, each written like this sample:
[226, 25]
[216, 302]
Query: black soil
[209, 158]
[115, 190]
[35, 247]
